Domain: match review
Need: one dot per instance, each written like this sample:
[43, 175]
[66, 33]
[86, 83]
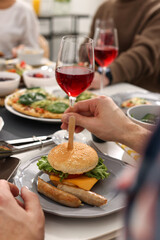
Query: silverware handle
[28, 140]
[32, 146]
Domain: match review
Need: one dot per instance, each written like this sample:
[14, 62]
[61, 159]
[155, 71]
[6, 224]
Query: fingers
[82, 106]
[14, 189]
[9, 188]
[31, 201]
[81, 121]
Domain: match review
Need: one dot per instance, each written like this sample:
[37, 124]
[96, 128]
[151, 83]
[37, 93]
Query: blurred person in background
[138, 26]
[18, 27]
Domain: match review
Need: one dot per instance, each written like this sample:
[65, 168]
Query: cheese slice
[83, 182]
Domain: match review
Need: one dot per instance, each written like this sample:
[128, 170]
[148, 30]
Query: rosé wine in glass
[74, 72]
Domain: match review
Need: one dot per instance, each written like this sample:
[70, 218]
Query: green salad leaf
[44, 165]
[42, 104]
[84, 96]
[30, 97]
[99, 172]
[57, 107]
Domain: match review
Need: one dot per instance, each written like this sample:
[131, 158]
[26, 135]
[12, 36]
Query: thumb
[82, 121]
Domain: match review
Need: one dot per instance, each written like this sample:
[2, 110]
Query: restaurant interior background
[60, 17]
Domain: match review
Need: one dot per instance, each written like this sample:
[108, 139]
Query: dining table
[63, 227]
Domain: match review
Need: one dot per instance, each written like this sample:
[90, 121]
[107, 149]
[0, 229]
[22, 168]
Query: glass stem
[71, 102]
[101, 80]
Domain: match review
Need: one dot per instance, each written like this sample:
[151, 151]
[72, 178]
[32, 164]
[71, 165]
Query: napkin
[133, 154]
[1, 123]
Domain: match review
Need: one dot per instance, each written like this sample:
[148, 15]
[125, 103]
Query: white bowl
[32, 81]
[31, 56]
[136, 113]
[8, 86]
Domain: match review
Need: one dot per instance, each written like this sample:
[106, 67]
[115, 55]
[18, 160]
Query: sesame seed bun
[82, 158]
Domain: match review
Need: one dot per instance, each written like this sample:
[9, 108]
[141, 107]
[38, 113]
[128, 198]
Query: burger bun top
[82, 158]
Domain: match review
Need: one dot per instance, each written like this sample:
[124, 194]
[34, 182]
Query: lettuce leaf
[44, 165]
[99, 172]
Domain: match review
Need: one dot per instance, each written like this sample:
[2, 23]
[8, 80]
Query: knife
[29, 140]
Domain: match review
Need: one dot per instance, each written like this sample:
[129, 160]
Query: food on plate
[39, 103]
[134, 102]
[57, 195]
[5, 79]
[88, 197]
[85, 95]
[79, 167]
[150, 118]
[18, 68]
[38, 75]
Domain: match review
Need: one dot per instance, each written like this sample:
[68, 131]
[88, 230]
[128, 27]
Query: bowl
[31, 56]
[39, 78]
[9, 82]
[137, 113]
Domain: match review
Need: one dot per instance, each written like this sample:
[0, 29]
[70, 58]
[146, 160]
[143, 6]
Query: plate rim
[126, 95]
[118, 196]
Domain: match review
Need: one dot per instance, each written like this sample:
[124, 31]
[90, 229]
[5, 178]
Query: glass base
[61, 137]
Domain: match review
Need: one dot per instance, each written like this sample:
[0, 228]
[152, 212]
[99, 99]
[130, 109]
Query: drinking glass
[105, 45]
[74, 73]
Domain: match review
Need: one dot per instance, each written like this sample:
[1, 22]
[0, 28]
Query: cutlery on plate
[29, 140]
[7, 149]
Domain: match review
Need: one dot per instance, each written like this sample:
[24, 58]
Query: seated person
[18, 27]
[138, 26]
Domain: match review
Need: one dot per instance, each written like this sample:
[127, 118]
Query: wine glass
[105, 45]
[74, 73]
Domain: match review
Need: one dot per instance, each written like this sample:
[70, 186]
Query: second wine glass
[74, 72]
[106, 45]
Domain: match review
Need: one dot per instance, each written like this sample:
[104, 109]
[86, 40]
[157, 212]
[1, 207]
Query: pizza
[134, 102]
[36, 102]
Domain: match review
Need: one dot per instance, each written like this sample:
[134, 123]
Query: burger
[80, 166]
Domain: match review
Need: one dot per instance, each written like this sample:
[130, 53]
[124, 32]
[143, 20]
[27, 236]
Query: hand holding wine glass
[74, 71]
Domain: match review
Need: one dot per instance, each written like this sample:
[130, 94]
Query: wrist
[135, 137]
[107, 74]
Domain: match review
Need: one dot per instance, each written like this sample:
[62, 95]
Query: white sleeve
[31, 29]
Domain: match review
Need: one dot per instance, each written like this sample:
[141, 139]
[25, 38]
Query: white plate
[10, 109]
[28, 173]
[154, 98]
[44, 61]
[1, 123]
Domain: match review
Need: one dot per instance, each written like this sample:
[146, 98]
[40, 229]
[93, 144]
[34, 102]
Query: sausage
[86, 196]
[57, 195]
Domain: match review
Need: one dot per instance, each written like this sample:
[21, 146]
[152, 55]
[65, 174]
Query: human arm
[102, 117]
[31, 29]
[20, 221]
[139, 53]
